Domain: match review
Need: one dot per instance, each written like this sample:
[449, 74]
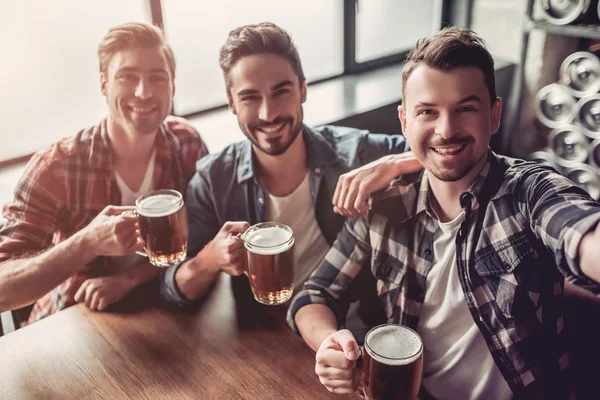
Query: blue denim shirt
[225, 186]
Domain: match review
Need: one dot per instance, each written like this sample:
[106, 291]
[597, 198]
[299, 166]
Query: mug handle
[134, 212]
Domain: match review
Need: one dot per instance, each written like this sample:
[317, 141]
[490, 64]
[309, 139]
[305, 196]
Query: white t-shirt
[296, 211]
[128, 198]
[457, 363]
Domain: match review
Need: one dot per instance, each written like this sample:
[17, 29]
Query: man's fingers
[117, 210]
[336, 373]
[102, 304]
[334, 358]
[347, 342]
[235, 226]
[95, 300]
[79, 296]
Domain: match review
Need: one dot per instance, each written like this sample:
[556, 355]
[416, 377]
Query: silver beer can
[569, 145]
[555, 106]
[544, 157]
[594, 154]
[588, 115]
[585, 177]
[563, 12]
[580, 72]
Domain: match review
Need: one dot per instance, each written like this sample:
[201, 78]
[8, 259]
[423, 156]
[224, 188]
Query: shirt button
[317, 170]
[427, 252]
[260, 200]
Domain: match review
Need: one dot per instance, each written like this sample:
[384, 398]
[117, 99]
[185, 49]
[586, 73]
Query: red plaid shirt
[66, 185]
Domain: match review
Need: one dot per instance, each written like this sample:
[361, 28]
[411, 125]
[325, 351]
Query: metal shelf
[581, 31]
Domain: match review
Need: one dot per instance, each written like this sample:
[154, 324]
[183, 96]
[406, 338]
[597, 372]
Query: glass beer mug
[270, 262]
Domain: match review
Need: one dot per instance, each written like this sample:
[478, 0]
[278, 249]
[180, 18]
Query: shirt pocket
[511, 271]
[390, 273]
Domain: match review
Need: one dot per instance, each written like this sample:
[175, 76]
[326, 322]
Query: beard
[279, 145]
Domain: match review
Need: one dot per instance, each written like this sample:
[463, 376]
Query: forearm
[315, 323]
[404, 163]
[195, 276]
[25, 280]
[588, 257]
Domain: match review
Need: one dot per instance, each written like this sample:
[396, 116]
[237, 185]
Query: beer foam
[268, 241]
[393, 345]
[159, 205]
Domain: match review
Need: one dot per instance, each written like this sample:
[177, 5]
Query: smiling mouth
[449, 150]
[143, 110]
[272, 129]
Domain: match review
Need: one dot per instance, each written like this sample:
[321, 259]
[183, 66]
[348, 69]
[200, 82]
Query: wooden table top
[229, 348]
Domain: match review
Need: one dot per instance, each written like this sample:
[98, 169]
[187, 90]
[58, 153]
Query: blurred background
[352, 51]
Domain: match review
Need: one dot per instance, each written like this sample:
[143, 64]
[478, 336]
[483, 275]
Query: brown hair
[133, 34]
[249, 40]
[451, 48]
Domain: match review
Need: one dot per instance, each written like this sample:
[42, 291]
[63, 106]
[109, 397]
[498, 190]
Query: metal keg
[544, 157]
[563, 12]
[555, 106]
[586, 177]
[569, 145]
[580, 72]
[594, 154]
[588, 115]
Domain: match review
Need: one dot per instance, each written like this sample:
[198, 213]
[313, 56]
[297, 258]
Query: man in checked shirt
[66, 239]
[472, 253]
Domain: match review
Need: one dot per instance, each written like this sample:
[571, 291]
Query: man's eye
[466, 109]
[158, 78]
[127, 77]
[425, 112]
[249, 98]
[281, 92]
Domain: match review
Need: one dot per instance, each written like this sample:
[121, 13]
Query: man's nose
[268, 110]
[446, 126]
[143, 90]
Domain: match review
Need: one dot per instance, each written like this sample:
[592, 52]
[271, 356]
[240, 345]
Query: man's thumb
[348, 345]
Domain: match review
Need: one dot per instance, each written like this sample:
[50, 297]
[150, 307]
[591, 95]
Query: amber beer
[392, 363]
[270, 261]
[163, 227]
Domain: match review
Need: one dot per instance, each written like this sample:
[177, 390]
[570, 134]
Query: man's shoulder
[224, 162]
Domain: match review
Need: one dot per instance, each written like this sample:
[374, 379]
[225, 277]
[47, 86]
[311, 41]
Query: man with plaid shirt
[471, 253]
[67, 236]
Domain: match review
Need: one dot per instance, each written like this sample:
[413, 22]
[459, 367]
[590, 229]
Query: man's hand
[227, 249]
[354, 188]
[114, 232]
[99, 293]
[336, 361]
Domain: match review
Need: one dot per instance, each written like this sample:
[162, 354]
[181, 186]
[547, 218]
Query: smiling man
[285, 171]
[66, 239]
[472, 253]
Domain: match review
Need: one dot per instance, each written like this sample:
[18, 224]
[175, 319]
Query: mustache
[277, 121]
[454, 141]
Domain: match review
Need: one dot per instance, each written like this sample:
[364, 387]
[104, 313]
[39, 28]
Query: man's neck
[445, 198]
[280, 175]
[129, 148]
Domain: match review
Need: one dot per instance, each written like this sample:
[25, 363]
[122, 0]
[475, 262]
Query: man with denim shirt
[472, 253]
[285, 172]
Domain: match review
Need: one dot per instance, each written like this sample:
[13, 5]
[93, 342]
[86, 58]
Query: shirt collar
[320, 153]
[474, 191]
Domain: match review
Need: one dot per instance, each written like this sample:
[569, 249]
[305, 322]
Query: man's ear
[303, 91]
[496, 114]
[402, 118]
[103, 83]
[230, 103]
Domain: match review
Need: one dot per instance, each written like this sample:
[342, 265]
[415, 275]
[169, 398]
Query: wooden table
[229, 348]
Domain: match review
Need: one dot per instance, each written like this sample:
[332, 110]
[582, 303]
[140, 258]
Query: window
[388, 27]
[197, 30]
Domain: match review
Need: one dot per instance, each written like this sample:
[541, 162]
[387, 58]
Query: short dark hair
[451, 48]
[133, 34]
[265, 37]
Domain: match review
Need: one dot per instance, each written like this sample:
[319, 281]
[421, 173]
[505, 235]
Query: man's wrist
[84, 247]
[191, 275]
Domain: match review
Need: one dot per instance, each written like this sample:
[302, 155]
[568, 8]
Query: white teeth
[448, 150]
[271, 129]
[142, 110]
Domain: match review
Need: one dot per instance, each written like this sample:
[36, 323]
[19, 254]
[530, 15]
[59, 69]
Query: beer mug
[392, 363]
[270, 262]
[163, 227]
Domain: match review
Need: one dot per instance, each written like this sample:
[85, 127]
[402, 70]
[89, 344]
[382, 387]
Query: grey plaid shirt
[519, 239]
